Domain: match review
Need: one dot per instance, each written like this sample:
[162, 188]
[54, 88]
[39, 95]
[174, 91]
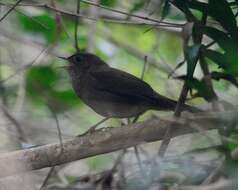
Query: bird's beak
[64, 58]
[63, 67]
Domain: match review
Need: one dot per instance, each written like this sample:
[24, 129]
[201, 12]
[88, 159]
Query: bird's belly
[115, 110]
[111, 105]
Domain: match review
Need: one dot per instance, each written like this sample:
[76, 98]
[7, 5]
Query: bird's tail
[164, 103]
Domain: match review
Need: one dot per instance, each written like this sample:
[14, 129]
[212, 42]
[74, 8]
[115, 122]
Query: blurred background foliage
[33, 35]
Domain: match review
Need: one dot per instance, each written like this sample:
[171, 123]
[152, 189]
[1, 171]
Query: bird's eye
[78, 58]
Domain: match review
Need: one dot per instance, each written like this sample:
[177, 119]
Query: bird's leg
[93, 128]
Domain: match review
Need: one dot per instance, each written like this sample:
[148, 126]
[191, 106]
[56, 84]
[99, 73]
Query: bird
[113, 93]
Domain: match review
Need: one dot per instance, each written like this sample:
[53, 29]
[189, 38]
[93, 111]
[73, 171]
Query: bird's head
[82, 62]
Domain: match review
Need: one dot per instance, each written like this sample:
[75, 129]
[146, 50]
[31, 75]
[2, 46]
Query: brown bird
[114, 93]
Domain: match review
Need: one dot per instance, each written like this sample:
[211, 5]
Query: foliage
[123, 40]
[44, 87]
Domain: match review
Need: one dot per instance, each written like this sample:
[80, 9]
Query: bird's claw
[90, 131]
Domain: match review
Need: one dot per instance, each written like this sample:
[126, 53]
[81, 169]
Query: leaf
[41, 87]
[202, 89]
[63, 100]
[41, 76]
[223, 40]
[43, 24]
[137, 6]
[221, 11]
[108, 3]
[200, 6]
[191, 55]
[200, 86]
[219, 75]
[216, 57]
[227, 61]
[232, 146]
[183, 6]
[166, 9]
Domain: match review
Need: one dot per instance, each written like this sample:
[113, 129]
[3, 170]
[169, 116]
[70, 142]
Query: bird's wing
[122, 84]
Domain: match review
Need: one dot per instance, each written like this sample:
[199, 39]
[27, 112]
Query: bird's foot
[92, 129]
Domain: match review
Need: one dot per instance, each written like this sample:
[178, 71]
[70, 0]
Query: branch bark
[100, 142]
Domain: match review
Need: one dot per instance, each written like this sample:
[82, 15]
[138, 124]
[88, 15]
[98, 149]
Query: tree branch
[103, 141]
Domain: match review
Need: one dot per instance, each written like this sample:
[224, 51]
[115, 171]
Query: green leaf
[166, 9]
[137, 6]
[108, 3]
[184, 7]
[191, 55]
[233, 146]
[41, 86]
[202, 89]
[227, 61]
[43, 25]
[63, 100]
[219, 75]
[200, 86]
[223, 40]
[216, 57]
[41, 76]
[221, 11]
[200, 6]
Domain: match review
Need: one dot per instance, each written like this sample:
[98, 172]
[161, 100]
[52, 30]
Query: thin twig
[49, 7]
[58, 127]
[115, 165]
[135, 52]
[51, 171]
[144, 67]
[60, 22]
[21, 134]
[183, 95]
[33, 19]
[27, 65]
[131, 22]
[141, 77]
[43, 5]
[129, 14]
[92, 27]
[137, 117]
[177, 66]
[10, 10]
[76, 27]
[139, 161]
[210, 44]
[214, 174]
[93, 128]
